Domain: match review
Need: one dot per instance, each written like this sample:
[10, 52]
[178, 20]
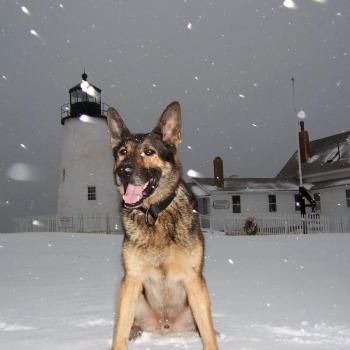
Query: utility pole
[303, 193]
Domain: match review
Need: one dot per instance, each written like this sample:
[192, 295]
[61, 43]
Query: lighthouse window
[91, 193]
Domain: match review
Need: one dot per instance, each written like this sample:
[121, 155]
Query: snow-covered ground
[57, 291]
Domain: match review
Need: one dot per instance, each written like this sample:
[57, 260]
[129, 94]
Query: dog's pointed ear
[116, 126]
[169, 124]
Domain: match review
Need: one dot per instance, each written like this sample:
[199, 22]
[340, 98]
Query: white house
[326, 167]
[326, 174]
[243, 197]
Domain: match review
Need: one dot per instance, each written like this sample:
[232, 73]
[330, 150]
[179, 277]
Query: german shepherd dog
[163, 289]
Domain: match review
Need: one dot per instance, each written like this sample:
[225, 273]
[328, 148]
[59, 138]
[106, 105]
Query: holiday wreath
[250, 226]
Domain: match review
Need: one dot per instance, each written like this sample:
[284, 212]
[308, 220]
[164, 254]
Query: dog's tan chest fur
[165, 294]
[163, 305]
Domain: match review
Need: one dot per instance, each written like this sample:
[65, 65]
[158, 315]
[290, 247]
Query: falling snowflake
[189, 25]
[89, 89]
[35, 33]
[23, 145]
[86, 119]
[4, 77]
[241, 96]
[290, 4]
[23, 172]
[231, 261]
[193, 173]
[189, 147]
[301, 115]
[25, 10]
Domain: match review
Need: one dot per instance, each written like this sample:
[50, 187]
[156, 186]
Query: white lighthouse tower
[87, 199]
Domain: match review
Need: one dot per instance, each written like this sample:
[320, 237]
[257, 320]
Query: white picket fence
[231, 225]
[86, 224]
[279, 224]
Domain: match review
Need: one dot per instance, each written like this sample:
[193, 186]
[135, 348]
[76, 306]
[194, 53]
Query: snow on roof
[332, 183]
[233, 184]
[327, 154]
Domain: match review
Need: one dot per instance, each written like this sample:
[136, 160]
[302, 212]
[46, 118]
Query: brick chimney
[304, 143]
[218, 172]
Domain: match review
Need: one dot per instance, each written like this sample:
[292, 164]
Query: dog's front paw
[214, 347]
[119, 347]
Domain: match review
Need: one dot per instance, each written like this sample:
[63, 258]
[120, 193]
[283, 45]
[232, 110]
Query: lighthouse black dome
[84, 99]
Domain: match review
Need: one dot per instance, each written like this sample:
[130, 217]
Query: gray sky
[228, 62]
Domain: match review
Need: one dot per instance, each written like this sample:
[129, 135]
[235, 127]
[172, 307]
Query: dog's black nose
[125, 170]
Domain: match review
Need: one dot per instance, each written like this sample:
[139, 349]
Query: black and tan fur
[163, 289]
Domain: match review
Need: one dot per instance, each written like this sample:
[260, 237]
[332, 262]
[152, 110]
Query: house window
[236, 204]
[347, 193]
[297, 201]
[272, 203]
[203, 206]
[91, 193]
[317, 199]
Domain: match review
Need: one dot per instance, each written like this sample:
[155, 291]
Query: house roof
[325, 156]
[332, 183]
[236, 184]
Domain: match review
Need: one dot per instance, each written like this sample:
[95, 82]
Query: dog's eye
[123, 151]
[149, 152]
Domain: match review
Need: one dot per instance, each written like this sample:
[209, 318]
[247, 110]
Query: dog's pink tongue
[133, 194]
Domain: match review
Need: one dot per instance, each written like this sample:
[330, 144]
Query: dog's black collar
[155, 209]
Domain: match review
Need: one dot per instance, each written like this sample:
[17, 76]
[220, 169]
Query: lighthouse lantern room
[86, 187]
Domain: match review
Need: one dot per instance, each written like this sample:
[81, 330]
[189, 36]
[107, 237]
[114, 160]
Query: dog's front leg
[130, 290]
[198, 298]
